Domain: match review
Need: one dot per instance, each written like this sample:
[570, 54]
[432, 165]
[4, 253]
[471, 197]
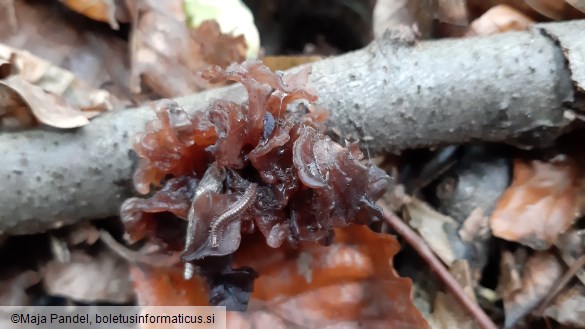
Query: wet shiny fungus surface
[234, 169]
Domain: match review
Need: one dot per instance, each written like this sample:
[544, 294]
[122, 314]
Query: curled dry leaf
[523, 285]
[498, 19]
[350, 284]
[540, 204]
[15, 114]
[47, 108]
[51, 94]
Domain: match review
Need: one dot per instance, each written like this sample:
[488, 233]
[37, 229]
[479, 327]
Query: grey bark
[515, 88]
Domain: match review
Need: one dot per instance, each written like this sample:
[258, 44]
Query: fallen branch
[517, 88]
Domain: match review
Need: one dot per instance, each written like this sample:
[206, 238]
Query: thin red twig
[413, 239]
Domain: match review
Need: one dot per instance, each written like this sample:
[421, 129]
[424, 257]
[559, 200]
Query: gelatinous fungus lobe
[232, 169]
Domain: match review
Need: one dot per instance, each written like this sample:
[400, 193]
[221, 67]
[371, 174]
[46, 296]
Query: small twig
[482, 319]
[560, 284]
[135, 256]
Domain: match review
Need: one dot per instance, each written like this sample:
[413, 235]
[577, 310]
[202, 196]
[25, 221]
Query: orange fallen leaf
[540, 204]
[350, 283]
[501, 18]
[166, 287]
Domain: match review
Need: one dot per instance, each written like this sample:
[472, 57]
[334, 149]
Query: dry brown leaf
[447, 312]
[47, 108]
[58, 81]
[89, 278]
[501, 18]
[350, 284]
[431, 226]
[167, 54]
[15, 114]
[568, 308]
[523, 285]
[99, 10]
[540, 204]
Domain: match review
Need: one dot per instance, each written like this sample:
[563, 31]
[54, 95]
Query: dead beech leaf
[57, 81]
[349, 284]
[89, 278]
[14, 112]
[47, 108]
[447, 312]
[540, 204]
[99, 10]
[524, 285]
[498, 19]
[162, 46]
[431, 226]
